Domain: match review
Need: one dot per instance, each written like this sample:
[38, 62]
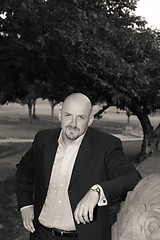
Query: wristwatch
[96, 189]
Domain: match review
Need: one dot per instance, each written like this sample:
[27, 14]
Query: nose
[74, 122]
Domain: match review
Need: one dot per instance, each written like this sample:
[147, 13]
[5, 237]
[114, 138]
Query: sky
[150, 10]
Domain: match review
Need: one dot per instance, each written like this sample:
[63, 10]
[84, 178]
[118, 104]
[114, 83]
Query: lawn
[16, 126]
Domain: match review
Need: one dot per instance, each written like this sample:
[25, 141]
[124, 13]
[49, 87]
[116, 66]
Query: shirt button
[104, 201]
[62, 185]
[59, 201]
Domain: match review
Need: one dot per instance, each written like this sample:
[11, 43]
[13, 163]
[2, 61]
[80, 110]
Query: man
[70, 176]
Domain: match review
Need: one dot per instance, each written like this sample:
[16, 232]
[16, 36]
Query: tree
[135, 83]
[32, 92]
[141, 86]
[127, 69]
[112, 48]
[101, 49]
[29, 51]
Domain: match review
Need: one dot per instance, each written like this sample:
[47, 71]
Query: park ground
[16, 135]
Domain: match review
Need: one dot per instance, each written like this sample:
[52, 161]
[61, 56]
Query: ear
[60, 114]
[91, 118]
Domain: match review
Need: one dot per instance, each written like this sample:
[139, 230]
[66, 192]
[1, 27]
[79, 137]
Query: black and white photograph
[79, 120]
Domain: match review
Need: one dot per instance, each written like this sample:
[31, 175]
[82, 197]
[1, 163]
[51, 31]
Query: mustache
[72, 127]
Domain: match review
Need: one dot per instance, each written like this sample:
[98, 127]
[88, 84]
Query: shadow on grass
[12, 148]
[10, 219]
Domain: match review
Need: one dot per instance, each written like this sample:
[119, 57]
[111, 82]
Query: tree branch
[101, 110]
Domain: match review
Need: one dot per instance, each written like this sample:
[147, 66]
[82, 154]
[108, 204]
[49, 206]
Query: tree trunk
[52, 104]
[34, 110]
[30, 112]
[128, 119]
[148, 143]
[52, 111]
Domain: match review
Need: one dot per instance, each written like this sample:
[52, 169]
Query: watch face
[96, 188]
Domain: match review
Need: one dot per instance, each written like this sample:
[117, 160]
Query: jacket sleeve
[25, 178]
[122, 175]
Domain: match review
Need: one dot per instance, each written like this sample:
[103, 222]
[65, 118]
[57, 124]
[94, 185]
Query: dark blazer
[100, 160]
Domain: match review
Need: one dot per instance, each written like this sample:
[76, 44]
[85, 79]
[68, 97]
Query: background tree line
[51, 48]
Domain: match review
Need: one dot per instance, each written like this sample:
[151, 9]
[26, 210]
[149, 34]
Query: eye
[67, 114]
[81, 117]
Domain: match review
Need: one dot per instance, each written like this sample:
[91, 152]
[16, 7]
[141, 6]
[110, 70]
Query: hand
[84, 210]
[27, 217]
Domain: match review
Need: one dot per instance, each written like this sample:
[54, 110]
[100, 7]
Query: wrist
[97, 190]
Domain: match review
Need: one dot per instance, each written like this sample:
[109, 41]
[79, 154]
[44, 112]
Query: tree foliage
[99, 47]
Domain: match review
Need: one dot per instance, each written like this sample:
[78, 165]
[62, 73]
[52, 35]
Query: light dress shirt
[56, 211]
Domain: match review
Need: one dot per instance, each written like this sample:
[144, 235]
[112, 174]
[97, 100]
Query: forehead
[76, 107]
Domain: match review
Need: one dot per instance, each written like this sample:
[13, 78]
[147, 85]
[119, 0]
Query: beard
[72, 133]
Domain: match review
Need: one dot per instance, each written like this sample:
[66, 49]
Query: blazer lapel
[82, 158]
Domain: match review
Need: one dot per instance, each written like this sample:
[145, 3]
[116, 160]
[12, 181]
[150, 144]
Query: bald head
[79, 100]
[75, 116]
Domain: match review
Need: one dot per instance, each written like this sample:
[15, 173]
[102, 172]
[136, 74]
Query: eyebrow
[82, 115]
[67, 113]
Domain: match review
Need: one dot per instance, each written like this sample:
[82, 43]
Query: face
[75, 118]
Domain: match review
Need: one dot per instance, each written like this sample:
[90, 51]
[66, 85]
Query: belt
[60, 233]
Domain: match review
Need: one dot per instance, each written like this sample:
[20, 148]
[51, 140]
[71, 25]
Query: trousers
[43, 234]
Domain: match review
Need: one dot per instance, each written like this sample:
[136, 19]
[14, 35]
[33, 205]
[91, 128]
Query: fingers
[91, 214]
[86, 216]
[84, 210]
[27, 217]
[28, 224]
[83, 214]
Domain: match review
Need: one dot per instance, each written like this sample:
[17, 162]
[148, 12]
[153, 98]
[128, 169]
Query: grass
[10, 220]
